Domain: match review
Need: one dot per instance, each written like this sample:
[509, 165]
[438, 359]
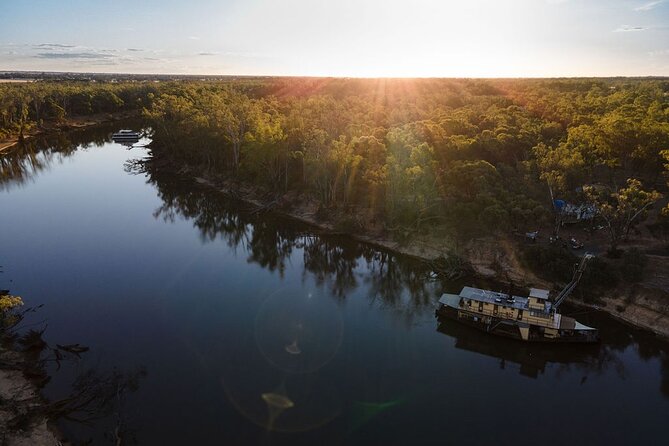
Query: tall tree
[623, 209]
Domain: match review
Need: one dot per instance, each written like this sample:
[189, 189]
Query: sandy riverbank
[21, 423]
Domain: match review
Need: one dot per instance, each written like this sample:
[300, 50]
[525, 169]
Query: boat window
[494, 309]
[480, 306]
[520, 314]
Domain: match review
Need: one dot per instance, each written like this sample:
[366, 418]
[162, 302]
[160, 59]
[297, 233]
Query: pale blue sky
[338, 38]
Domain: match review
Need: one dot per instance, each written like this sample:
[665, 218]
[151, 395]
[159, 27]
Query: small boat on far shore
[126, 135]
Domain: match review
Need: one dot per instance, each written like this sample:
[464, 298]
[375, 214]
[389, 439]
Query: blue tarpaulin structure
[558, 204]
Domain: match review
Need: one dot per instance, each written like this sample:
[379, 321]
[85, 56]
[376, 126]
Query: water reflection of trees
[336, 263]
[23, 162]
[390, 275]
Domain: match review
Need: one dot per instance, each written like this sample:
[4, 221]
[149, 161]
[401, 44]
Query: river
[246, 328]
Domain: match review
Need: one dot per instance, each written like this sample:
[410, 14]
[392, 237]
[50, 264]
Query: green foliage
[634, 262]
[8, 303]
[27, 105]
[473, 157]
[557, 264]
[600, 276]
[554, 263]
[623, 209]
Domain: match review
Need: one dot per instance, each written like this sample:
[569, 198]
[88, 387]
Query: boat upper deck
[516, 308]
[498, 298]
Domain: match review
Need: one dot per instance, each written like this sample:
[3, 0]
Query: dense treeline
[475, 156]
[472, 156]
[28, 106]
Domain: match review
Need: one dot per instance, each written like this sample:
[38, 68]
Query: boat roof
[451, 300]
[521, 303]
[493, 297]
[539, 293]
[499, 298]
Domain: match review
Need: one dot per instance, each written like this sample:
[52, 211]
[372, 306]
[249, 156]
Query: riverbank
[487, 258]
[72, 123]
[22, 422]
[644, 305]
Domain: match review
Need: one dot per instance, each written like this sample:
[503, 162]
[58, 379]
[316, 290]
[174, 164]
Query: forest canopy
[475, 156]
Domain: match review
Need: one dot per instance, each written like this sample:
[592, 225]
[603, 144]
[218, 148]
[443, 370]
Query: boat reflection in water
[126, 137]
[532, 359]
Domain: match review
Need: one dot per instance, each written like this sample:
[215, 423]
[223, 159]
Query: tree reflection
[23, 162]
[336, 263]
[332, 264]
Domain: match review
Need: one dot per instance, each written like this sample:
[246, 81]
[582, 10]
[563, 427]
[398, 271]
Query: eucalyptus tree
[623, 209]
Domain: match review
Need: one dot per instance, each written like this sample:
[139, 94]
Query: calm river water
[251, 329]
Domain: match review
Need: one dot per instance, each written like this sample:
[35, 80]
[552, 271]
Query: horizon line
[305, 76]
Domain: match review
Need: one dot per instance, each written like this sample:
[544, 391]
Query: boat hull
[514, 330]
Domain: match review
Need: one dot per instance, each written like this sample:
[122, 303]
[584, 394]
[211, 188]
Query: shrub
[634, 263]
[8, 302]
[554, 263]
[557, 263]
[600, 275]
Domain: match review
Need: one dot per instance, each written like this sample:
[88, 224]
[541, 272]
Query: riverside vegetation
[456, 163]
[459, 160]
[29, 108]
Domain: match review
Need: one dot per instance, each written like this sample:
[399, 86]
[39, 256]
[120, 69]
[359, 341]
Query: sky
[366, 38]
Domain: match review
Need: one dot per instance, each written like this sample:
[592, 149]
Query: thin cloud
[134, 50]
[207, 54]
[52, 45]
[648, 6]
[193, 38]
[80, 55]
[628, 28]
